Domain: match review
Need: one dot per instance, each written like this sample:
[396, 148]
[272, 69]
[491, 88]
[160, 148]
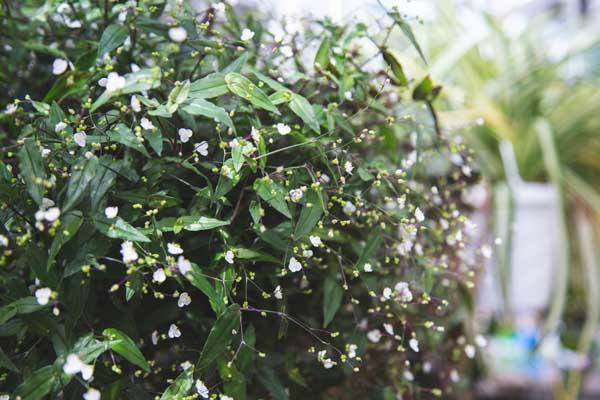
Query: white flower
[174, 248]
[419, 215]
[146, 124]
[111, 212]
[200, 386]
[42, 295]
[414, 345]
[184, 300]
[59, 66]
[286, 51]
[184, 265]
[177, 34]
[74, 365]
[403, 292]
[80, 138]
[296, 195]
[247, 34]
[387, 293]
[352, 350]
[52, 214]
[3, 241]
[374, 335]
[229, 256]
[154, 338]
[219, 7]
[185, 134]
[128, 252]
[348, 167]
[368, 267]
[73, 24]
[307, 253]
[315, 241]
[174, 331]
[88, 155]
[408, 375]
[349, 208]
[389, 329]
[201, 148]
[255, 135]
[348, 95]
[45, 152]
[159, 275]
[486, 251]
[454, 376]
[113, 82]
[92, 394]
[11, 108]
[136, 106]
[283, 129]
[327, 362]
[225, 397]
[470, 351]
[325, 179]
[294, 265]
[277, 293]
[480, 341]
[61, 126]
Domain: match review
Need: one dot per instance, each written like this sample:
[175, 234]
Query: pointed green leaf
[112, 37]
[208, 110]
[220, 336]
[31, 169]
[69, 226]
[273, 193]
[103, 180]
[309, 216]
[126, 347]
[118, 228]
[194, 224]
[155, 140]
[81, 176]
[180, 387]
[408, 32]
[372, 245]
[244, 88]
[302, 108]
[212, 85]
[122, 134]
[332, 299]
[396, 67]
[38, 384]
[199, 281]
[322, 56]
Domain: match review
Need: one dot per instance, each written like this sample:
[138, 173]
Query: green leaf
[155, 139]
[332, 299]
[209, 110]
[112, 37]
[199, 281]
[309, 216]
[126, 347]
[180, 387]
[194, 224]
[272, 193]
[302, 108]
[6, 363]
[118, 228]
[103, 180]
[408, 32]
[372, 245]
[212, 85]
[32, 169]
[82, 174]
[269, 379]
[38, 384]
[25, 305]
[122, 134]
[242, 253]
[244, 88]
[425, 91]
[322, 56]
[220, 336]
[69, 226]
[397, 70]
[139, 81]
[281, 96]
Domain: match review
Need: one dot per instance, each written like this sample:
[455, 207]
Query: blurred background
[521, 83]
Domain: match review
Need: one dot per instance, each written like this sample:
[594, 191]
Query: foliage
[194, 200]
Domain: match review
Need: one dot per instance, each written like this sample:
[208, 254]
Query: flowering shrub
[196, 203]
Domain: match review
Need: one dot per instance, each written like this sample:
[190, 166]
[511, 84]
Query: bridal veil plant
[197, 201]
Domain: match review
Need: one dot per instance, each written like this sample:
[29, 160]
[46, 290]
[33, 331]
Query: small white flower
[111, 212]
[403, 292]
[277, 293]
[247, 34]
[296, 195]
[408, 375]
[234, 143]
[74, 365]
[136, 106]
[480, 341]
[201, 148]
[186, 365]
[307, 253]
[419, 215]
[52, 214]
[184, 300]
[348, 95]
[128, 252]
[352, 350]
[11, 109]
[178, 34]
[389, 329]
[61, 126]
[185, 134]
[348, 167]
[80, 138]
[454, 376]
[174, 331]
[349, 208]
[470, 351]
[114, 82]
[324, 179]
[154, 338]
[414, 344]
[286, 51]
[88, 155]
[374, 335]
[72, 23]
[92, 394]
[159, 275]
[45, 152]
[486, 251]
[146, 124]
[315, 241]
[3, 241]
[174, 248]
[255, 135]
[294, 265]
[367, 267]
[59, 66]
[42, 295]
[283, 129]
[184, 265]
[87, 371]
[219, 7]
[229, 256]
[200, 386]
[387, 293]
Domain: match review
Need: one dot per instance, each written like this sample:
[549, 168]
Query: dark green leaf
[81, 176]
[272, 193]
[332, 299]
[194, 224]
[126, 347]
[408, 32]
[37, 385]
[118, 228]
[112, 37]
[180, 387]
[425, 91]
[156, 140]
[32, 169]
[209, 110]
[122, 134]
[397, 70]
[198, 280]
[70, 224]
[220, 336]
[372, 245]
[103, 180]
[309, 216]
